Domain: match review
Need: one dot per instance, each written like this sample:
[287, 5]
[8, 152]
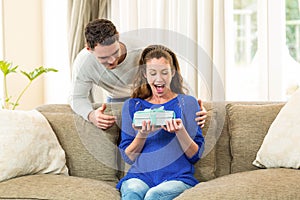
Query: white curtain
[80, 13]
[193, 29]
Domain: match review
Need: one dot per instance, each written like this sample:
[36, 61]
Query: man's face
[107, 55]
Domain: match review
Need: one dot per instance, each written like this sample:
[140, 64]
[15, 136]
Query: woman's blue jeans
[136, 189]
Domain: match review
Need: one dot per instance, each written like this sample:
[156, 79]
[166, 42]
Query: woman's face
[159, 76]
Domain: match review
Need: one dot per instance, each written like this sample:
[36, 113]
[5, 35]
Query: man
[110, 64]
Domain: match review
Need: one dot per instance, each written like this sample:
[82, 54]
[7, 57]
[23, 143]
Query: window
[293, 28]
[241, 70]
[263, 63]
[293, 44]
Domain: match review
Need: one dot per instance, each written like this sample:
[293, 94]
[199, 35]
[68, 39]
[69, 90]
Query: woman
[161, 158]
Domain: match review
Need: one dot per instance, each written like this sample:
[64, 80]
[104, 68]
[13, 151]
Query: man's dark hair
[100, 31]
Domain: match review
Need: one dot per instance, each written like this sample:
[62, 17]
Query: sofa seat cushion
[277, 183]
[57, 187]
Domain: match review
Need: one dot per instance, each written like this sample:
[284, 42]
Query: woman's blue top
[162, 158]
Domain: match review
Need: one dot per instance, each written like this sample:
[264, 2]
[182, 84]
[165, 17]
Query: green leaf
[37, 72]
[7, 67]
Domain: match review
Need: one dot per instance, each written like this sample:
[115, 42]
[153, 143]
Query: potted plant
[7, 68]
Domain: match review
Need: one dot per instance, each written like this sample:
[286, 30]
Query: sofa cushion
[90, 151]
[205, 168]
[258, 184]
[223, 154]
[281, 146]
[57, 187]
[248, 125]
[28, 145]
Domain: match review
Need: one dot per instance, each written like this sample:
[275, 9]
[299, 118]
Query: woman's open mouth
[159, 87]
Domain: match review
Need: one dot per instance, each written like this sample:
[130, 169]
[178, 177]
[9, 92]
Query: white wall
[22, 38]
[34, 35]
[1, 53]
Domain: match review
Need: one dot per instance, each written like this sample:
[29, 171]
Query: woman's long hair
[141, 88]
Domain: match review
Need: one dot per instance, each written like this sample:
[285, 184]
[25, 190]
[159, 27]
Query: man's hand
[99, 119]
[201, 115]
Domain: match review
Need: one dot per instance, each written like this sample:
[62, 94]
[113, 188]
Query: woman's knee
[166, 190]
[134, 189]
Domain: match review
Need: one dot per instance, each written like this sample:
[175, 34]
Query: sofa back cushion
[209, 166]
[90, 151]
[205, 168]
[247, 126]
[233, 135]
[222, 147]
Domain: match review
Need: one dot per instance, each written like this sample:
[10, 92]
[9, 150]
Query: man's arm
[86, 73]
[81, 105]
[79, 100]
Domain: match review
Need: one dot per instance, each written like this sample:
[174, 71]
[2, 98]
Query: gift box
[157, 116]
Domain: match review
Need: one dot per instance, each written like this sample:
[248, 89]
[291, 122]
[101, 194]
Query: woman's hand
[136, 146]
[146, 128]
[173, 125]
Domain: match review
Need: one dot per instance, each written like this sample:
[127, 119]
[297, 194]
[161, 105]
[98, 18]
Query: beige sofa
[234, 132]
